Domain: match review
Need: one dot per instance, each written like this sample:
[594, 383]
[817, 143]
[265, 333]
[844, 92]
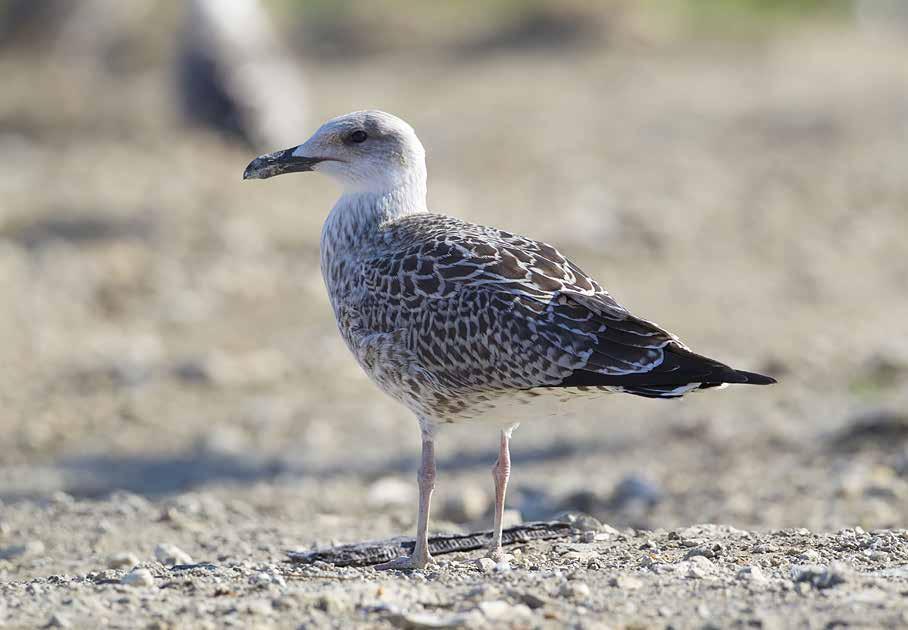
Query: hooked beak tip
[278, 163]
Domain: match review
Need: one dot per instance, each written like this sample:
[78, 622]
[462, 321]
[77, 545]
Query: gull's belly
[388, 361]
[385, 358]
[509, 407]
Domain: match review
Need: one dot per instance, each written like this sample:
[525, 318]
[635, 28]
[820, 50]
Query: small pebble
[283, 603]
[499, 610]
[138, 577]
[752, 573]
[486, 565]
[429, 621]
[263, 578]
[809, 557]
[819, 576]
[699, 567]
[575, 590]
[581, 521]
[333, 602]
[61, 498]
[171, 555]
[122, 560]
[533, 600]
[58, 620]
[259, 607]
[607, 532]
[709, 550]
[626, 582]
[483, 592]
[27, 549]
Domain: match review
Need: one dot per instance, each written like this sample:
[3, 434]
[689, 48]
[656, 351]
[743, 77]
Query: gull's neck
[372, 208]
[353, 230]
[362, 210]
[356, 219]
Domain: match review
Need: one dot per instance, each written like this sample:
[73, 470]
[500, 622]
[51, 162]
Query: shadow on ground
[97, 476]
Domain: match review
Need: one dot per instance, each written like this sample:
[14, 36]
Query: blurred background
[732, 169]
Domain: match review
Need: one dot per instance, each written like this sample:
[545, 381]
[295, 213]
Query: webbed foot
[406, 563]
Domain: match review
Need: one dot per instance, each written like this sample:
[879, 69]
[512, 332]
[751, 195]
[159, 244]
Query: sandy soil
[172, 377]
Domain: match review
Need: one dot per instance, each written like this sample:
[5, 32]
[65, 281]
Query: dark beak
[278, 163]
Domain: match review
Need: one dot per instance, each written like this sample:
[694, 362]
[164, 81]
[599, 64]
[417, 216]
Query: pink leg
[501, 471]
[426, 480]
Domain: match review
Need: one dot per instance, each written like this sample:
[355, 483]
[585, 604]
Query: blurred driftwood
[365, 554]
[235, 76]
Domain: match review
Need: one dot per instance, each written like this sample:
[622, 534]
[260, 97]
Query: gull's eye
[358, 136]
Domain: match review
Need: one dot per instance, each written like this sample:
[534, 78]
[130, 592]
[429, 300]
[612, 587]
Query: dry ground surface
[171, 376]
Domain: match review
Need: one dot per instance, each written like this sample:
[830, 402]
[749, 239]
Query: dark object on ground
[880, 429]
[365, 554]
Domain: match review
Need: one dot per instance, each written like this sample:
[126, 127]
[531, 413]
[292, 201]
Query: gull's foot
[406, 563]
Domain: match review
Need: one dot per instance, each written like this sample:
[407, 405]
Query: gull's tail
[681, 372]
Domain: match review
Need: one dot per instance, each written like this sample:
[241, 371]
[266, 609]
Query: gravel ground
[696, 576]
[174, 391]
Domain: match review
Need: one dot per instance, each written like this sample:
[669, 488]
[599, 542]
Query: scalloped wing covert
[483, 308]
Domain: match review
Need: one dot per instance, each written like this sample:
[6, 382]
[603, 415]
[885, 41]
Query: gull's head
[365, 151]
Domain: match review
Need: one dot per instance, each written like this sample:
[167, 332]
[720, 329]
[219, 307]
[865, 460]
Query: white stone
[626, 582]
[166, 553]
[752, 573]
[122, 560]
[499, 610]
[486, 565]
[138, 577]
[576, 590]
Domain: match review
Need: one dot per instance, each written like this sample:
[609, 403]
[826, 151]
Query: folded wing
[483, 308]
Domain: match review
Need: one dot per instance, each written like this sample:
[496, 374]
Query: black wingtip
[752, 378]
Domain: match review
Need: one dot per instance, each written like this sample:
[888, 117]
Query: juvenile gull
[464, 322]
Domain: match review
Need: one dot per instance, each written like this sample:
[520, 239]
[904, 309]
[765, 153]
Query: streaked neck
[370, 208]
[358, 215]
